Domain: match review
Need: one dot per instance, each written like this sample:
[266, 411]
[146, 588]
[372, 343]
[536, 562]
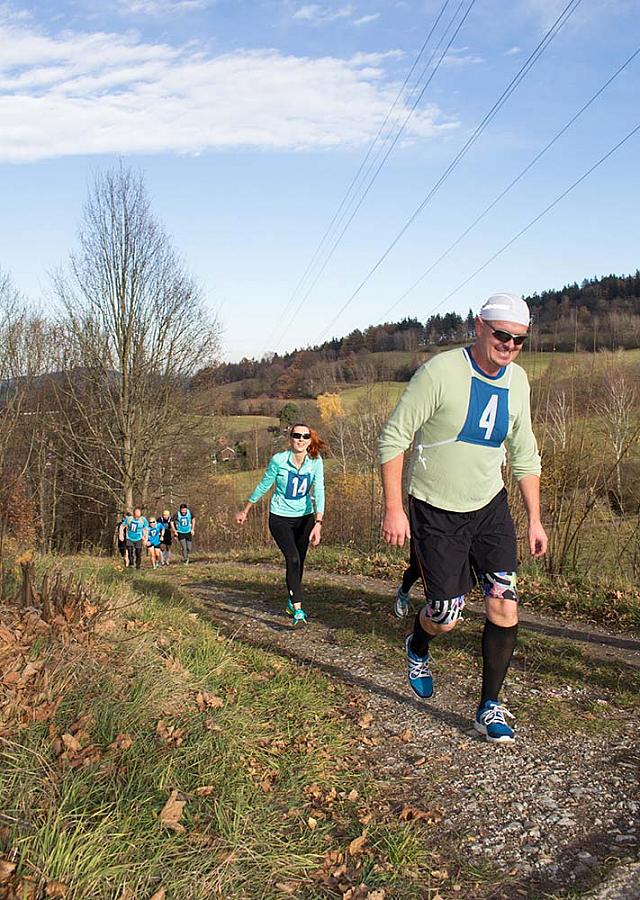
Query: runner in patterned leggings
[459, 410]
[295, 518]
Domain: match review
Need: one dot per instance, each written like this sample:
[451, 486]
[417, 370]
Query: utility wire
[537, 218]
[512, 184]
[385, 157]
[564, 16]
[356, 177]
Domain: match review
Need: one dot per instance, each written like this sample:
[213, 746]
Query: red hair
[316, 444]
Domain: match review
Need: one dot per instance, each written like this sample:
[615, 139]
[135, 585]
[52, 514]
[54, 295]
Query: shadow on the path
[239, 610]
[573, 872]
[381, 596]
[351, 609]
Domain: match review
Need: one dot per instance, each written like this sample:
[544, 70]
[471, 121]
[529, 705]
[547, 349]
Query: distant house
[226, 454]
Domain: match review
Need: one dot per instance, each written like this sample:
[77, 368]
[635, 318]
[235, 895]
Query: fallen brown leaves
[171, 812]
[39, 644]
[13, 887]
[6, 870]
[207, 701]
[410, 813]
[122, 742]
[169, 735]
[342, 871]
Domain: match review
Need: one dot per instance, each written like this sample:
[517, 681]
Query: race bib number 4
[297, 486]
[487, 421]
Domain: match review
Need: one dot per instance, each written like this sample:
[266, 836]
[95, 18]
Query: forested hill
[599, 313]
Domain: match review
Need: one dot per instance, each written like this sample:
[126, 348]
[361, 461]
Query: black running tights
[291, 534]
[135, 553]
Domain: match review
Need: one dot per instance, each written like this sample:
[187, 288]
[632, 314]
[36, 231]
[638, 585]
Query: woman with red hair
[297, 506]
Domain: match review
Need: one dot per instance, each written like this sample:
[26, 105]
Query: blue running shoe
[290, 607]
[299, 617]
[401, 604]
[419, 672]
[490, 721]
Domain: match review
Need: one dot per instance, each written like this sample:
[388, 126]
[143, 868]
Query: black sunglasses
[298, 436]
[505, 336]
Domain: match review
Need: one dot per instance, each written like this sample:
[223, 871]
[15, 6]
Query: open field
[236, 426]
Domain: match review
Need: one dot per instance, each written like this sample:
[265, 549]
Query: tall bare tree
[617, 409]
[137, 329]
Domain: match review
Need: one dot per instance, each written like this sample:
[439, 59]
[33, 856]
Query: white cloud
[161, 7]
[547, 11]
[322, 15]
[513, 51]
[9, 13]
[366, 20]
[461, 56]
[90, 93]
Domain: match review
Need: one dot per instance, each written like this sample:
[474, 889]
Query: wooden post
[28, 593]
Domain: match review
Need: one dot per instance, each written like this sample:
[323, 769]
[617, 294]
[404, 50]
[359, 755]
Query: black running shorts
[454, 548]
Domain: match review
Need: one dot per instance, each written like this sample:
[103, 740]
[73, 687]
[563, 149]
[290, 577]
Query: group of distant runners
[462, 411]
[157, 534]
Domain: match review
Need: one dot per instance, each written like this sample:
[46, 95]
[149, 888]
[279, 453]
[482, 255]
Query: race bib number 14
[297, 486]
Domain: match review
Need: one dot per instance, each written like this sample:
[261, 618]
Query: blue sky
[249, 119]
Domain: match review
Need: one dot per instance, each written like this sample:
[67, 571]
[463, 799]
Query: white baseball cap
[505, 308]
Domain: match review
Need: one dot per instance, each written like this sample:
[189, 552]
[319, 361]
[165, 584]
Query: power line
[513, 183]
[537, 218]
[362, 165]
[384, 159]
[564, 16]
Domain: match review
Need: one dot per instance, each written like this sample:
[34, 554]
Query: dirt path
[598, 642]
[545, 814]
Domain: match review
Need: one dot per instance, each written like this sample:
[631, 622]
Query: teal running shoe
[491, 722]
[401, 604]
[299, 617]
[419, 672]
[290, 608]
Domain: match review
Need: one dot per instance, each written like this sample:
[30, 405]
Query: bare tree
[137, 329]
[616, 406]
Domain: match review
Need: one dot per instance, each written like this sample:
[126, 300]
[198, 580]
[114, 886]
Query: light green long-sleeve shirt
[461, 420]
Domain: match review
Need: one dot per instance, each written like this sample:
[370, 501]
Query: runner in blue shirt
[136, 526]
[295, 518]
[184, 526]
[154, 537]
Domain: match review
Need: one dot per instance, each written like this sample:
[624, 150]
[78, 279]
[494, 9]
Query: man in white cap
[459, 410]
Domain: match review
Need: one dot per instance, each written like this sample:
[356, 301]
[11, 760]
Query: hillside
[599, 314]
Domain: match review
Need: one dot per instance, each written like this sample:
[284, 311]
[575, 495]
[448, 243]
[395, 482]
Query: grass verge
[145, 755]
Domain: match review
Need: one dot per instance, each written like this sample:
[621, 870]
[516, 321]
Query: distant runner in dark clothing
[136, 526]
[185, 528]
[167, 538]
[122, 538]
